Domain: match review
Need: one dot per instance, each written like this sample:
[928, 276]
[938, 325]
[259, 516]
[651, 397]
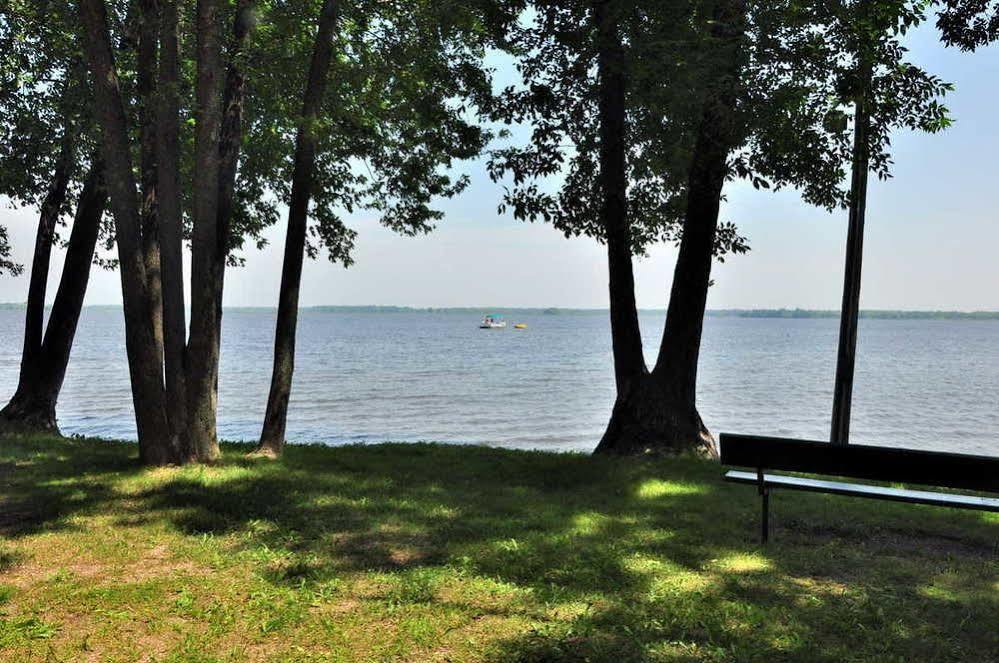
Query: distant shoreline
[782, 313]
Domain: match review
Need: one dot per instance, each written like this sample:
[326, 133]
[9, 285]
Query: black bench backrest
[858, 461]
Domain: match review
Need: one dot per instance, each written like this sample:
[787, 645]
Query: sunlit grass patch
[959, 588]
[742, 562]
[588, 524]
[656, 488]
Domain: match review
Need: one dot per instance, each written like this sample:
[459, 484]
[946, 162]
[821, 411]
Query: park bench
[855, 461]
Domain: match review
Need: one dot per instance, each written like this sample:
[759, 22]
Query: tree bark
[276, 417]
[170, 227]
[659, 413]
[146, 57]
[48, 217]
[626, 335]
[202, 348]
[24, 411]
[850, 310]
[68, 303]
[156, 445]
[33, 407]
[229, 146]
[232, 131]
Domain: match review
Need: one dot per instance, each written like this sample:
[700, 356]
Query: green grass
[443, 553]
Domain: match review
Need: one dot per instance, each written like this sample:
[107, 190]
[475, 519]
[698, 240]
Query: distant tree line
[870, 314]
[785, 313]
[147, 128]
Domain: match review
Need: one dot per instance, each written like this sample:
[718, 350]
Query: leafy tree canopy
[44, 106]
[969, 24]
[799, 79]
[406, 83]
[402, 100]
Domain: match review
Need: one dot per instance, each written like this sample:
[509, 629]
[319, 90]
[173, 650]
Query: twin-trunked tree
[644, 111]
[48, 159]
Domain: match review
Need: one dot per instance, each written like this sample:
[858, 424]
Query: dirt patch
[338, 608]
[33, 572]
[158, 562]
[157, 644]
[251, 648]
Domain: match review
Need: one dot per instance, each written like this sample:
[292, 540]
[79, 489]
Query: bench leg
[765, 518]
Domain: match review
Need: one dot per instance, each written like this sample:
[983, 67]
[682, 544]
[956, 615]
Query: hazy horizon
[376, 308]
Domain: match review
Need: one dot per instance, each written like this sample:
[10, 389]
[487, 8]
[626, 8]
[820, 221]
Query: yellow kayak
[520, 325]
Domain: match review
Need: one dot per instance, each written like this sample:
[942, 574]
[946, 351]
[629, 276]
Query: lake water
[371, 377]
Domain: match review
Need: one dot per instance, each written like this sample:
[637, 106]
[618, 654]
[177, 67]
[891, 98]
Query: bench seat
[975, 502]
[918, 467]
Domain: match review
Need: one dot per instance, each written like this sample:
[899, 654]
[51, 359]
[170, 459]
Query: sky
[931, 239]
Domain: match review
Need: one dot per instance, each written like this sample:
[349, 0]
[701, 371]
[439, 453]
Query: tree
[174, 376]
[44, 361]
[171, 226]
[712, 91]
[45, 154]
[244, 135]
[203, 348]
[229, 153]
[402, 85]
[660, 406]
[144, 14]
[272, 437]
[868, 32]
[25, 408]
[613, 207]
[156, 445]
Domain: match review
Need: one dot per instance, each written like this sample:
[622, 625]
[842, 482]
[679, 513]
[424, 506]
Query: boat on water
[520, 325]
[492, 321]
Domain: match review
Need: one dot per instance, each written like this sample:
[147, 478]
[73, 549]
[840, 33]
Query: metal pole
[765, 519]
[850, 312]
[765, 497]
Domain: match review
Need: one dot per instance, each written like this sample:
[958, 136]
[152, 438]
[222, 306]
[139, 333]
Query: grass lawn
[444, 553]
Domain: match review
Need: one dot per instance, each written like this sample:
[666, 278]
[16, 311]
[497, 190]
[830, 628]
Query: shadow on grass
[615, 560]
[44, 479]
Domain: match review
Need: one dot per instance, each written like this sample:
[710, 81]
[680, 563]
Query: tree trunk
[68, 302]
[156, 445]
[229, 145]
[232, 131]
[850, 310]
[26, 411]
[146, 89]
[659, 413]
[276, 417]
[170, 227]
[202, 347]
[35, 402]
[626, 335]
[648, 419]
